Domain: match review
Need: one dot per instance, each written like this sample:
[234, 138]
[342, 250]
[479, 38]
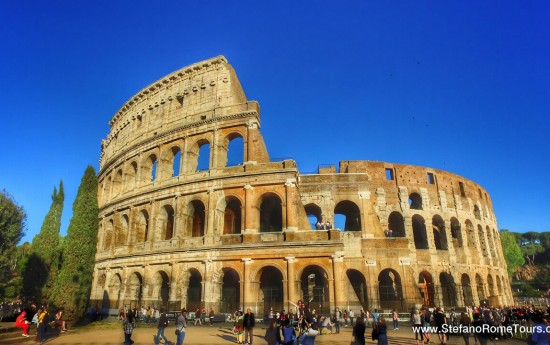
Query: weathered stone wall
[223, 236]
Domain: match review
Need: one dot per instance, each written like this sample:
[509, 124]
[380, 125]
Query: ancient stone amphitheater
[183, 225]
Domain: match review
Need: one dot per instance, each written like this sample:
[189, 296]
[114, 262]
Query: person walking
[395, 320]
[382, 331]
[161, 326]
[198, 317]
[249, 323]
[181, 324]
[272, 333]
[440, 320]
[128, 325]
[359, 332]
[337, 319]
[42, 324]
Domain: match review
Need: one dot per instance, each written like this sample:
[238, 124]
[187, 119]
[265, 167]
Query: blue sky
[459, 86]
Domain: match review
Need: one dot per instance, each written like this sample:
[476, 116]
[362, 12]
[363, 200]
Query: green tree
[12, 226]
[511, 250]
[43, 264]
[530, 250]
[72, 288]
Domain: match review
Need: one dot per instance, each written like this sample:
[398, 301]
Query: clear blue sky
[459, 86]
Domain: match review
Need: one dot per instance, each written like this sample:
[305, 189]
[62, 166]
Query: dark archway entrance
[271, 290]
[390, 290]
[194, 290]
[231, 291]
[315, 285]
[359, 285]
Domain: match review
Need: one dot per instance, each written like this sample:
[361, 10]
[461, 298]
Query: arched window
[477, 212]
[131, 176]
[235, 150]
[122, 235]
[389, 289]
[231, 292]
[176, 161]
[315, 287]
[108, 235]
[166, 219]
[117, 183]
[203, 159]
[440, 236]
[194, 290]
[419, 232]
[314, 215]
[134, 289]
[142, 226]
[359, 285]
[271, 213]
[352, 215]
[198, 218]
[415, 201]
[232, 216]
[456, 233]
[161, 286]
[426, 287]
[153, 174]
[467, 294]
[396, 224]
[271, 289]
[448, 289]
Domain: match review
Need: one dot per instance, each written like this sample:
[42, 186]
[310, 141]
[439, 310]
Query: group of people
[323, 226]
[41, 319]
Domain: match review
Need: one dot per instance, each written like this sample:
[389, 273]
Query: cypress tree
[43, 263]
[72, 288]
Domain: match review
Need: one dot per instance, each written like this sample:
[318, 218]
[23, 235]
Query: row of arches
[171, 162]
[389, 291]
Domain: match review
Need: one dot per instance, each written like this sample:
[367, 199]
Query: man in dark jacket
[162, 324]
[249, 322]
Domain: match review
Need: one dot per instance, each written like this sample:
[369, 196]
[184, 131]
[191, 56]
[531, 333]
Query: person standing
[272, 333]
[181, 324]
[382, 331]
[198, 317]
[337, 318]
[465, 325]
[417, 325]
[162, 324]
[128, 325]
[239, 326]
[440, 320]
[351, 315]
[211, 317]
[249, 323]
[42, 324]
[359, 332]
[395, 320]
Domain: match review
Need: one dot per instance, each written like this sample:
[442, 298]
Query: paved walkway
[209, 335]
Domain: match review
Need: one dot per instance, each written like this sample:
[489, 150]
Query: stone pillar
[247, 286]
[290, 190]
[291, 296]
[210, 211]
[337, 269]
[249, 208]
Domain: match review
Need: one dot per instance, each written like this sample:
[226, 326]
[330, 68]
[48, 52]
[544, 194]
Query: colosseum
[181, 224]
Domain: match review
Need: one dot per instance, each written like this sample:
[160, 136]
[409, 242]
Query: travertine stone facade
[176, 233]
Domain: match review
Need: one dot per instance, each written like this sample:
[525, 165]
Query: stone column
[290, 190]
[337, 269]
[249, 208]
[290, 260]
[247, 286]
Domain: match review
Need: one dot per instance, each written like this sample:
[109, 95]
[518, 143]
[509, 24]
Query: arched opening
[108, 237]
[315, 286]
[456, 233]
[131, 176]
[390, 290]
[114, 290]
[415, 201]
[161, 289]
[480, 289]
[142, 226]
[232, 216]
[231, 292]
[491, 285]
[117, 183]
[153, 164]
[134, 292]
[440, 237]
[499, 286]
[351, 213]
[166, 220]
[477, 212]
[271, 290]
[198, 218]
[100, 287]
[467, 294]
[176, 161]
[419, 232]
[426, 288]
[271, 213]
[492, 244]
[448, 289]
[396, 224]
[314, 215]
[483, 244]
[122, 235]
[359, 296]
[235, 150]
[194, 290]
[203, 159]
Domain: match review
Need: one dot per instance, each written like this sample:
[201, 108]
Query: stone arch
[390, 290]
[352, 215]
[456, 233]
[117, 183]
[440, 235]
[448, 289]
[415, 201]
[396, 223]
[499, 286]
[197, 219]
[491, 285]
[480, 288]
[314, 214]
[149, 168]
[271, 213]
[142, 227]
[231, 207]
[131, 173]
[114, 289]
[109, 232]
[483, 244]
[492, 243]
[203, 155]
[173, 161]
[134, 289]
[194, 290]
[271, 293]
[166, 222]
[426, 288]
[467, 294]
[122, 231]
[358, 294]
[231, 291]
[233, 150]
[419, 232]
[161, 288]
[477, 212]
[314, 284]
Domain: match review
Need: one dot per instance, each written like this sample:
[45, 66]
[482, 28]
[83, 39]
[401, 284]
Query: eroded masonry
[174, 232]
